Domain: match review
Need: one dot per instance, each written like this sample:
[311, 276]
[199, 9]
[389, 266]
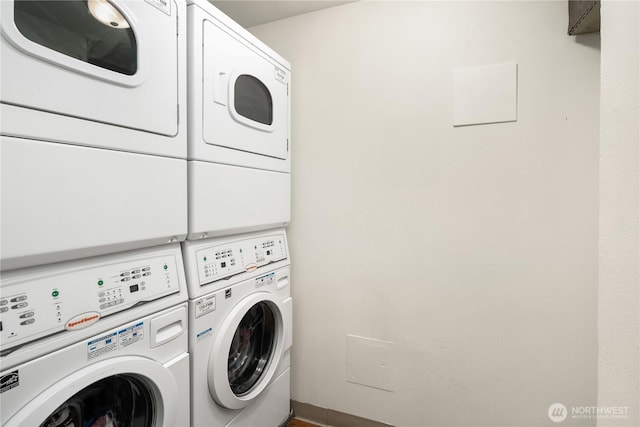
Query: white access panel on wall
[485, 94]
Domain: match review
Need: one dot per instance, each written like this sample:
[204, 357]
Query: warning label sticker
[102, 345]
[130, 335]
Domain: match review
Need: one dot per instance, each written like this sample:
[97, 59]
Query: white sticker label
[163, 5]
[102, 345]
[280, 75]
[205, 305]
[131, 334]
[267, 279]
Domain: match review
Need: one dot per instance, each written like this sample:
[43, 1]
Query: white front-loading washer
[239, 128]
[240, 330]
[94, 144]
[101, 341]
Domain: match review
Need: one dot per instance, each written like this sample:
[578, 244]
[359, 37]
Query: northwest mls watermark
[558, 412]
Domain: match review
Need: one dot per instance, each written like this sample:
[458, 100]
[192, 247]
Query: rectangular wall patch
[486, 94]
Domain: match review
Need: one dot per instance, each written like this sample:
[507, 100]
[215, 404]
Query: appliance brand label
[9, 381]
[280, 75]
[103, 345]
[163, 5]
[82, 321]
[130, 335]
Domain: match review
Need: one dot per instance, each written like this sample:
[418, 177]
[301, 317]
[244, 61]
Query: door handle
[220, 90]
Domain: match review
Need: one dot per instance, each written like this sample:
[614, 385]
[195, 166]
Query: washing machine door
[125, 391]
[246, 96]
[246, 352]
[106, 61]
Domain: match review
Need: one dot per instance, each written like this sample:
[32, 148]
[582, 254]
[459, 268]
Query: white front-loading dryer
[239, 147]
[93, 130]
[240, 339]
[100, 341]
[99, 73]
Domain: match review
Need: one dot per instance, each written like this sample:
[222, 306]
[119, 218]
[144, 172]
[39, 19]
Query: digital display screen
[133, 288]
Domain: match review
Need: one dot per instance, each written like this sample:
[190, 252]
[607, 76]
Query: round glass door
[251, 348]
[252, 100]
[118, 401]
[93, 31]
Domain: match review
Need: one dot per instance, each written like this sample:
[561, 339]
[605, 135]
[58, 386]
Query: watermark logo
[557, 412]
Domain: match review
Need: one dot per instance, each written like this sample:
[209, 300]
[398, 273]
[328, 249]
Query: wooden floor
[299, 423]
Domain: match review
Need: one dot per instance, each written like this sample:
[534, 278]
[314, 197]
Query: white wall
[473, 249]
[619, 296]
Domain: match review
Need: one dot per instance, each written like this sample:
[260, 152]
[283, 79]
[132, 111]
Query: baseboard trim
[329, 417]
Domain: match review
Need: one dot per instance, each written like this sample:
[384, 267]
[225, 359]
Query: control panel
[34, 307]
[231, 258]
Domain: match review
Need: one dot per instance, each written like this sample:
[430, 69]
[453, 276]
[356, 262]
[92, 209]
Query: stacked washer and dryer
[93, 297]
[99, 323]
[236, 254]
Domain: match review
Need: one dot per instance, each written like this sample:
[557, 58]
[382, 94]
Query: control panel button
[4, 309]
[18, 299]
[3, 302]
[28, 322]
[27, 315]
[21, 305]
[126, 273]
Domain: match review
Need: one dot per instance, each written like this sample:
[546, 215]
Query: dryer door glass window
[253, 100]
[119, 400]
[252, 348]
[92, 31]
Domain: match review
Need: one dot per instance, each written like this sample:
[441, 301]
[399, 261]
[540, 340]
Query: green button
[100, 282]
[55, 294]
[205, 258]
[166, 266]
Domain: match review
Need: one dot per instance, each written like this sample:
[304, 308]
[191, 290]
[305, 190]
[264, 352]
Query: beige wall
[473, 250]
[619, 296]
